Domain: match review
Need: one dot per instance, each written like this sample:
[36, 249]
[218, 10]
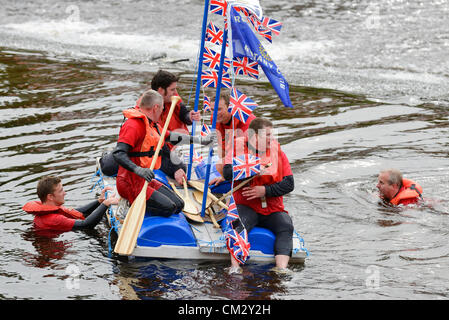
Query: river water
[370, 84]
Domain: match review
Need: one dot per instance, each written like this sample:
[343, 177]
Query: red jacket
[280, 168]
[52, 217]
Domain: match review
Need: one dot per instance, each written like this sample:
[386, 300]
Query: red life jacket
[46, 215]
[150, 141]
[409, 193]
[273, 174]
[37, 208]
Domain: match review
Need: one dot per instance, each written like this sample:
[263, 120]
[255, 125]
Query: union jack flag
[240, 106]
[197, 157]
[272, 25]
[212, 60]
[238, 244]
[236, 241]
[205, 130]
[245, 166]
[266, 33]
[232, 211]
[206, 103]
[210, 79]
[214, 34]
[246, 66]
[218, 7]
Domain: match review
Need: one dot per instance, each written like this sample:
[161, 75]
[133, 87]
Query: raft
[177, 237]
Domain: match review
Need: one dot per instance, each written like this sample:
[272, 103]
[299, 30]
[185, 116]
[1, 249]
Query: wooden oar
[189, 205]
[198, 185]
[133, 221]
[192, 216]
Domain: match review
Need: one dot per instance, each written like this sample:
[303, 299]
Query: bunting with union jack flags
[246, 66]
[212, 60]
[240, 106]
[214, 34]
[218, 7]
[245, 166]
[210, 79]
[206, 104]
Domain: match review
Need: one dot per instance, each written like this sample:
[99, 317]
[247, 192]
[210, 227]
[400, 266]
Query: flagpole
[214, 120]
[198, 81]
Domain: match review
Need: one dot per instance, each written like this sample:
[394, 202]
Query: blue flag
[246, 44]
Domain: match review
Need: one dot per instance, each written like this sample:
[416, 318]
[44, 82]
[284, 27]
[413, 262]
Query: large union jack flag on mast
[210, 79]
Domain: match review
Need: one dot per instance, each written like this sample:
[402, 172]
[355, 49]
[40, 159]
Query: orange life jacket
[410, 190]
[39, 209]
[150, 141]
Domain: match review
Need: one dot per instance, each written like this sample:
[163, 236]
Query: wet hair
[163, 79]
[150, 98]
[394, 176]
[46, 186]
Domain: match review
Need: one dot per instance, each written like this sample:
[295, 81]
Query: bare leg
[282, 261]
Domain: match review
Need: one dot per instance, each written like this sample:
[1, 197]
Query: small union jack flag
[197, 157]
[210, 79]
[245, 166]
[232, 211]
[218, 7]
[206, 103]
[205, 130]
[240, 106]
[246, 66]
[272, 25]
[214, 34]
[212, 60]
[238, 244]
[265, 33]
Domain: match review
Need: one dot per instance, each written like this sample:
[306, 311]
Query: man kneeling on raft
[137, 142]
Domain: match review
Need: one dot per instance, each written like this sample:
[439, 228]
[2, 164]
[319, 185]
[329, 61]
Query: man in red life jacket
[226, 127]
[138, 139]
[261, 203]
[396, 190]
[50, 214]
[166, 84]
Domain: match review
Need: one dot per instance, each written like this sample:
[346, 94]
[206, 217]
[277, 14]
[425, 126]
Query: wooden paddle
[194, 216]
[133, 221]
[198, 195]
[198, 185]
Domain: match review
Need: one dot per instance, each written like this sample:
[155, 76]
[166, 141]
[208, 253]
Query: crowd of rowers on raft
[138, 138]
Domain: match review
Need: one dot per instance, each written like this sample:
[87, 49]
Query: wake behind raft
[181, 237]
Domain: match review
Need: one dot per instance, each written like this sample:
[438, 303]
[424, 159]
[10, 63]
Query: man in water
[50, 214]
[396, 190]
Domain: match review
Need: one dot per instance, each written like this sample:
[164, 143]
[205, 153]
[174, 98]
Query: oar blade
[127, 238]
